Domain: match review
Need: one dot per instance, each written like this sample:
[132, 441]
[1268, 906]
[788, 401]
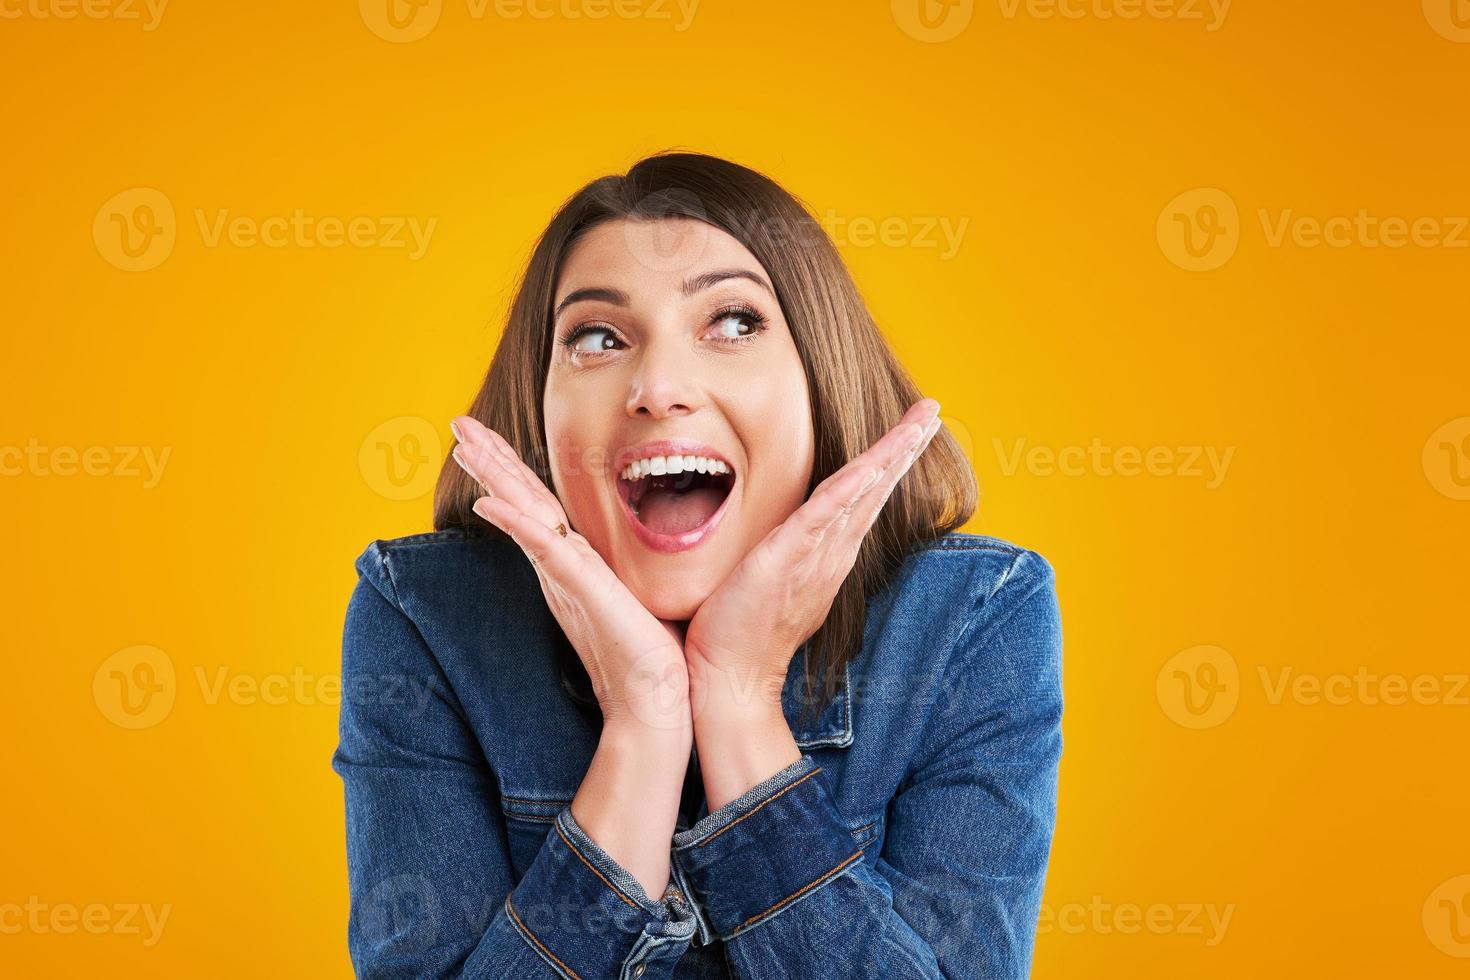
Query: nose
[664, 384]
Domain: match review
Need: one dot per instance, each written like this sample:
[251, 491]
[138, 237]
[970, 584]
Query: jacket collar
[833, 726]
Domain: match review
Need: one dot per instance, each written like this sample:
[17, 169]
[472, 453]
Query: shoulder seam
[1008, 613]
[392, 579]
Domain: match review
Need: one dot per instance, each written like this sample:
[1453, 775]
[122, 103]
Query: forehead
[653, 254]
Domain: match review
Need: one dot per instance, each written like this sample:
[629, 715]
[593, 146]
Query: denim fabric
[909, 840]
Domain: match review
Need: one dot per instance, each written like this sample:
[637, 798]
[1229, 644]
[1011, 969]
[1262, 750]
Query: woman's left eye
[737, 324]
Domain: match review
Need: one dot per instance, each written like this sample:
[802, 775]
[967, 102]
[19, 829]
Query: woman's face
[669, 349]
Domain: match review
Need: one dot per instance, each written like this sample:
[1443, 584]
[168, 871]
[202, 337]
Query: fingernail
[455, 429]
[869, 480]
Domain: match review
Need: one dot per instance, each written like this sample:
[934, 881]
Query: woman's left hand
[740, 641]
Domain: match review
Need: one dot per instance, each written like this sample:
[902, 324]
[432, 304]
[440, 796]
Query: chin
[675, 602]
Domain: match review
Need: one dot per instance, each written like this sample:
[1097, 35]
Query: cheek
[576, 442]
[775, 420]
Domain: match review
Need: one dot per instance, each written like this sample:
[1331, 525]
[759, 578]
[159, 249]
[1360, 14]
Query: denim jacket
[909, 840]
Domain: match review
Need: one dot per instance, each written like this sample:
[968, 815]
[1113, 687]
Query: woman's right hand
[635, 661]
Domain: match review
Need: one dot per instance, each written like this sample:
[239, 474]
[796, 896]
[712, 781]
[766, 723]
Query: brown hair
[858, 388]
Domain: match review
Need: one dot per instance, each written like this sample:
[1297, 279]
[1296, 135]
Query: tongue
[672, 512]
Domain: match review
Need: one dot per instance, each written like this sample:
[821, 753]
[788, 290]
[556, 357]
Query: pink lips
[670, 543]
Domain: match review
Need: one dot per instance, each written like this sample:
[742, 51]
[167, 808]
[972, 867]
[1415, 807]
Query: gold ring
[561, 529]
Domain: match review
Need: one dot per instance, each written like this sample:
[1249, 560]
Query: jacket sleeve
[432, 892]
[956, 890]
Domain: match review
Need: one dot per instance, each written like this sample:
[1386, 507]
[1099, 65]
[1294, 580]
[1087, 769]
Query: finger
[479, 462]
[503, 453]
[878, 460]
[542, 545]
[836, 497]
[488, 467]
[864, 512]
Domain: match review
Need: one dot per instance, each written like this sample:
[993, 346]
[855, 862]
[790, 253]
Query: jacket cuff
[587, 916]
[770, 847]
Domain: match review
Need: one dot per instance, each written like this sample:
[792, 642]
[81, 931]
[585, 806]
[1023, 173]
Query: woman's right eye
[591, 339]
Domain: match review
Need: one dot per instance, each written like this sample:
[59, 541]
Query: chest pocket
[527, 822]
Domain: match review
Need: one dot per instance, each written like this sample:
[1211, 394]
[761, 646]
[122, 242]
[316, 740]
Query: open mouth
[674, 502]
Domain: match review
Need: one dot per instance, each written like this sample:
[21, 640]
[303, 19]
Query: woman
[692, 681]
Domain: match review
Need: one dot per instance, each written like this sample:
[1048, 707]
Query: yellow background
[1333, 835]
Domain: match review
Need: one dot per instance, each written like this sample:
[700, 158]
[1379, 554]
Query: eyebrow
[697, 284]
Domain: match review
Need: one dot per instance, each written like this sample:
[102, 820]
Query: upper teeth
[660, 465]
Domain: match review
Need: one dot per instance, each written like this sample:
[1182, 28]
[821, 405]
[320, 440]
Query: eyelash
[756, 320]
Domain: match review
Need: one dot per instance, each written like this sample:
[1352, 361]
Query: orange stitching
[758, 806]
[527, 799]
[797, 894]
[599, 874]
[539, 944]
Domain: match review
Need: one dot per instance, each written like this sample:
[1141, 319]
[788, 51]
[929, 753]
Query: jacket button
[639, 970]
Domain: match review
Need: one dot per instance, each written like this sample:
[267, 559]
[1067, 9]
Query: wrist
[645, 729]
[731, 693]
[740, 747]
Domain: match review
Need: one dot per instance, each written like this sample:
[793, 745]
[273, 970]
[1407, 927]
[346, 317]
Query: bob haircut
[857, 387]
